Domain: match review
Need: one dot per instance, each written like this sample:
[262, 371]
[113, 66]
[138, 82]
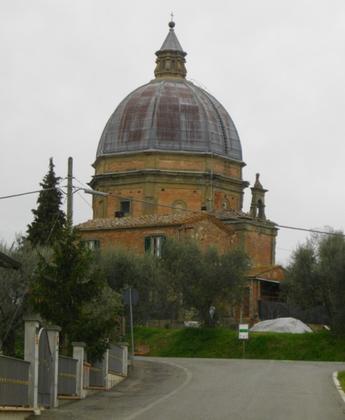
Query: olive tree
[14, 290]
[316, 277]
[204, 279]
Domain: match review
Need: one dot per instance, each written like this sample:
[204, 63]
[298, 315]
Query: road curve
[216, 389]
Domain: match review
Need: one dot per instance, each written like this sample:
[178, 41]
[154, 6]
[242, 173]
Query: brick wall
[166, 179]
[205, 232]
[259, 246]
[169, 161]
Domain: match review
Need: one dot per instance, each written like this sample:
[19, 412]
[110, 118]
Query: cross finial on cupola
[171, 57]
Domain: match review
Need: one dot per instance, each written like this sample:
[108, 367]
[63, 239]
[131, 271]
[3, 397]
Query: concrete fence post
[105, 369]
[32, 325]
[124, 347]
[53, 337]
[80, 355]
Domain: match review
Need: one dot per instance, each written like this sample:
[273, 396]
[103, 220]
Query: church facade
[170, 162]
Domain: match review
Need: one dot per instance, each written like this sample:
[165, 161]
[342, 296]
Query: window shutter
[163, 240]
[148, 244]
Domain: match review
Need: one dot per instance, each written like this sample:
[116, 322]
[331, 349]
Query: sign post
[243, 334]
[131, 318]
[130, 297]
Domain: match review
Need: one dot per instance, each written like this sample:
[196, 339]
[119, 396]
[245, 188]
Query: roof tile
[140, 221]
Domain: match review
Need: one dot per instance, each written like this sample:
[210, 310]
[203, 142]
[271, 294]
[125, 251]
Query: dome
[170, 114]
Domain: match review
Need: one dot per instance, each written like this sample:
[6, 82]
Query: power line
[83, 198]
[311, 230]
[149, 203]
[197, 211]
[284, 249]
[54, 224]
[82, 184]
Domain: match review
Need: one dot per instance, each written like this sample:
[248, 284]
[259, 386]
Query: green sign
[243, 332]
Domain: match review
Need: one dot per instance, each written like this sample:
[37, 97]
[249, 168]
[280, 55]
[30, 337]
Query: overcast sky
[278, 67]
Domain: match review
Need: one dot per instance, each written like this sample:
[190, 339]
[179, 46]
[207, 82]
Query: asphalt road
[214, 389]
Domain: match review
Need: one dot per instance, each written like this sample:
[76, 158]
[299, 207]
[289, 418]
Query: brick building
[170, 162]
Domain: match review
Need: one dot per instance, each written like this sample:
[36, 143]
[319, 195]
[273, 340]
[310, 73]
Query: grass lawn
[224, 343]
[341, 379]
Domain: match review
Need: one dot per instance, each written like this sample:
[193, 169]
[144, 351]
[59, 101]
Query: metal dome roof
[170, 115]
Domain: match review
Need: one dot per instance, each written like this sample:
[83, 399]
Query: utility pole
[70, 193]
[71, 190]
[131, 320]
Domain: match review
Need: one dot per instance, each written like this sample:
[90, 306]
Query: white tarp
[283, 325]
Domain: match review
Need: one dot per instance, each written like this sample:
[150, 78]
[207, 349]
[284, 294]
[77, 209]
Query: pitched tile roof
[142, 221]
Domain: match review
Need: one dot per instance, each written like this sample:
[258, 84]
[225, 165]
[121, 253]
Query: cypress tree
[49, 220]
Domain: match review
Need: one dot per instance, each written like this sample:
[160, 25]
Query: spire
[257, 207]
[257, 181]
[171, 57]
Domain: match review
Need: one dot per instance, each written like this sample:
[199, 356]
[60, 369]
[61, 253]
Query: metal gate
[45, 370]
[96, 375]
[116, 359]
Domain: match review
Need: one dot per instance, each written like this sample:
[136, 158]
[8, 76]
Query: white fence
[45, 376]
[14, 381]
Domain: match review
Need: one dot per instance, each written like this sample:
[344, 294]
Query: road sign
[126, 296]
[243, 332]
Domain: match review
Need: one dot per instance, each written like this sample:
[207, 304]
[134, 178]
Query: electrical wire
[311, 230]
[82, 184]
[83, 198]
[149, 203]
[55, 221]
[197, 211]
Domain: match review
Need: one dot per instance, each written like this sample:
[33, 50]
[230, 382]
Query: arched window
[226, 204]
[261, 209]
[178, 206]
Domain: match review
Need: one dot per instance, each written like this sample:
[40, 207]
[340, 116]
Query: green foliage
[49, 220]
[224, 343]
[14, 287]
[316, 276]
[183, 279]
[123, 269]
[204, 279]
[69, 290]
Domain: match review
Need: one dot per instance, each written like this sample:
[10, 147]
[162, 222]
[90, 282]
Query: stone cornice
[168, 152]
[168, 173]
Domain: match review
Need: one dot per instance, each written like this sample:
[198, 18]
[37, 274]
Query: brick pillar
[53, 337]
[79, 354]
[32, 325]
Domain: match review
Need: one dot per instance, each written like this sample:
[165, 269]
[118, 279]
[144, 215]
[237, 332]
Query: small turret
[257, 207]
[171, 57]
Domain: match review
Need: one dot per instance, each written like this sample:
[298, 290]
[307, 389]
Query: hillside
[224, 343]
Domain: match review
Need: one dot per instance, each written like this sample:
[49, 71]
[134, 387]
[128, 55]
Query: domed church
[170, 160]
